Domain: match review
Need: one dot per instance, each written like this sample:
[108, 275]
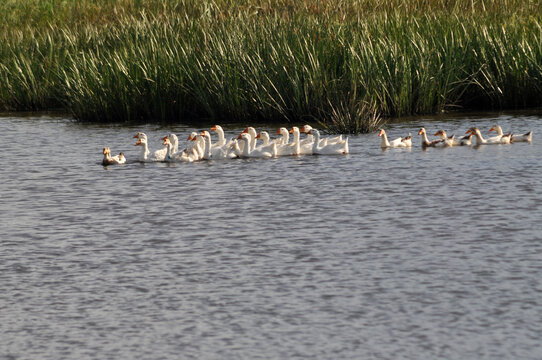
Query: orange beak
[380, 133]
[258, 136]
[189, 137]
[240, 137]
[310, 132]
[469, 131]
[302, 129]
[213, 128]
[136, 136]
[278, 132]
[164, 138]
[138, 142]
[165, 141]
[420, 132]
[492, 129]
[437, 133]
[245, 131]
[291, 131]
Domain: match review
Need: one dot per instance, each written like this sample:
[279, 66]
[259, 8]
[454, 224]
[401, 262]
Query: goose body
[426, 143]
[505, 138]
[247, 152]
[112, 160]
[299, 149]
[280, 148]
[395, 143]
[329, 140]
[328, 149]
[157, 155]
[495, 140]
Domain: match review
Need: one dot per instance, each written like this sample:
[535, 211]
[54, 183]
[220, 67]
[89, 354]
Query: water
[398, 254]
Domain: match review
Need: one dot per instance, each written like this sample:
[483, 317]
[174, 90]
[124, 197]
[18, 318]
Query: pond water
[399, 254]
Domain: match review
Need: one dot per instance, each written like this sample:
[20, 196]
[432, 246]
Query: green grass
[344, 64]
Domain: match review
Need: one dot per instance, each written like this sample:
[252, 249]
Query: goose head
[140, 135]
[422, 131]
[107, 150]
[141, 141]
[382, 132]
[440, 133]
[306, 129]
[472, 130]
[192, 136]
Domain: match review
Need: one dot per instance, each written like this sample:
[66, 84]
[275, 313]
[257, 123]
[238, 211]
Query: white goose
[246, 152]
[299, 149]
[209, 152]
[221, 139]
[505, 138]
[157, 155]
[395, 143]
[495, 140]
[144, 155]
[324, 141]
[328, 149]
[285, 136]
[281, 150]
[177, 157]
[109, 160]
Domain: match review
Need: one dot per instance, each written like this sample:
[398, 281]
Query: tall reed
[343, 64]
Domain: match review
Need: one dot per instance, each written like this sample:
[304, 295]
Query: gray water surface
[398, 254]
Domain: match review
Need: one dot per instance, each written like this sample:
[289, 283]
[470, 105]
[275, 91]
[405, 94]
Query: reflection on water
[377, 254]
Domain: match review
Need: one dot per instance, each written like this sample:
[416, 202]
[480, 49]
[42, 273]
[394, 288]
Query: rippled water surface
[398, 254]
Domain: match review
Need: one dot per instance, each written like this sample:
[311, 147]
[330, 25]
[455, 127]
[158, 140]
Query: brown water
[399, 254]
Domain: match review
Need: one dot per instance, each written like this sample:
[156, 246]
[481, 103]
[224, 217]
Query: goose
[480, 139]
[285, 136]
[177, 157]
[209, 152]
[252, 153]
[144, 155]
[328, 140]
[395, 143]
[452, 140]
[505, 138]
[426, 143]
[328, 149]
[157, 155]
[221, 139]
[253, 133]
[299, 149]
[109, 160]
[527, 137]
[281, 150]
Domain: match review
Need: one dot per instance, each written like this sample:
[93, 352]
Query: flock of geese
[246, 145]
[445, 140]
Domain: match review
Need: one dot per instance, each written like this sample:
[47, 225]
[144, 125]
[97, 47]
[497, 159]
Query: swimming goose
[426, 143]
[157, 155]
[495, 140]
[328, 149]
[281, 150]
[452, 140]
[527, 137]
[505, 138]
[395, 143]
[252, 153]
[109, 160]
[328, 140]
[299, 149]
[285, 136]
[218, 152]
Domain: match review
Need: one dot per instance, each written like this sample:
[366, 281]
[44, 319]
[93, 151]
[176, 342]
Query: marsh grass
[343, 64]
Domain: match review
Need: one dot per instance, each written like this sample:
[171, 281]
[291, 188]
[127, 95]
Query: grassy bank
[343, 63]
